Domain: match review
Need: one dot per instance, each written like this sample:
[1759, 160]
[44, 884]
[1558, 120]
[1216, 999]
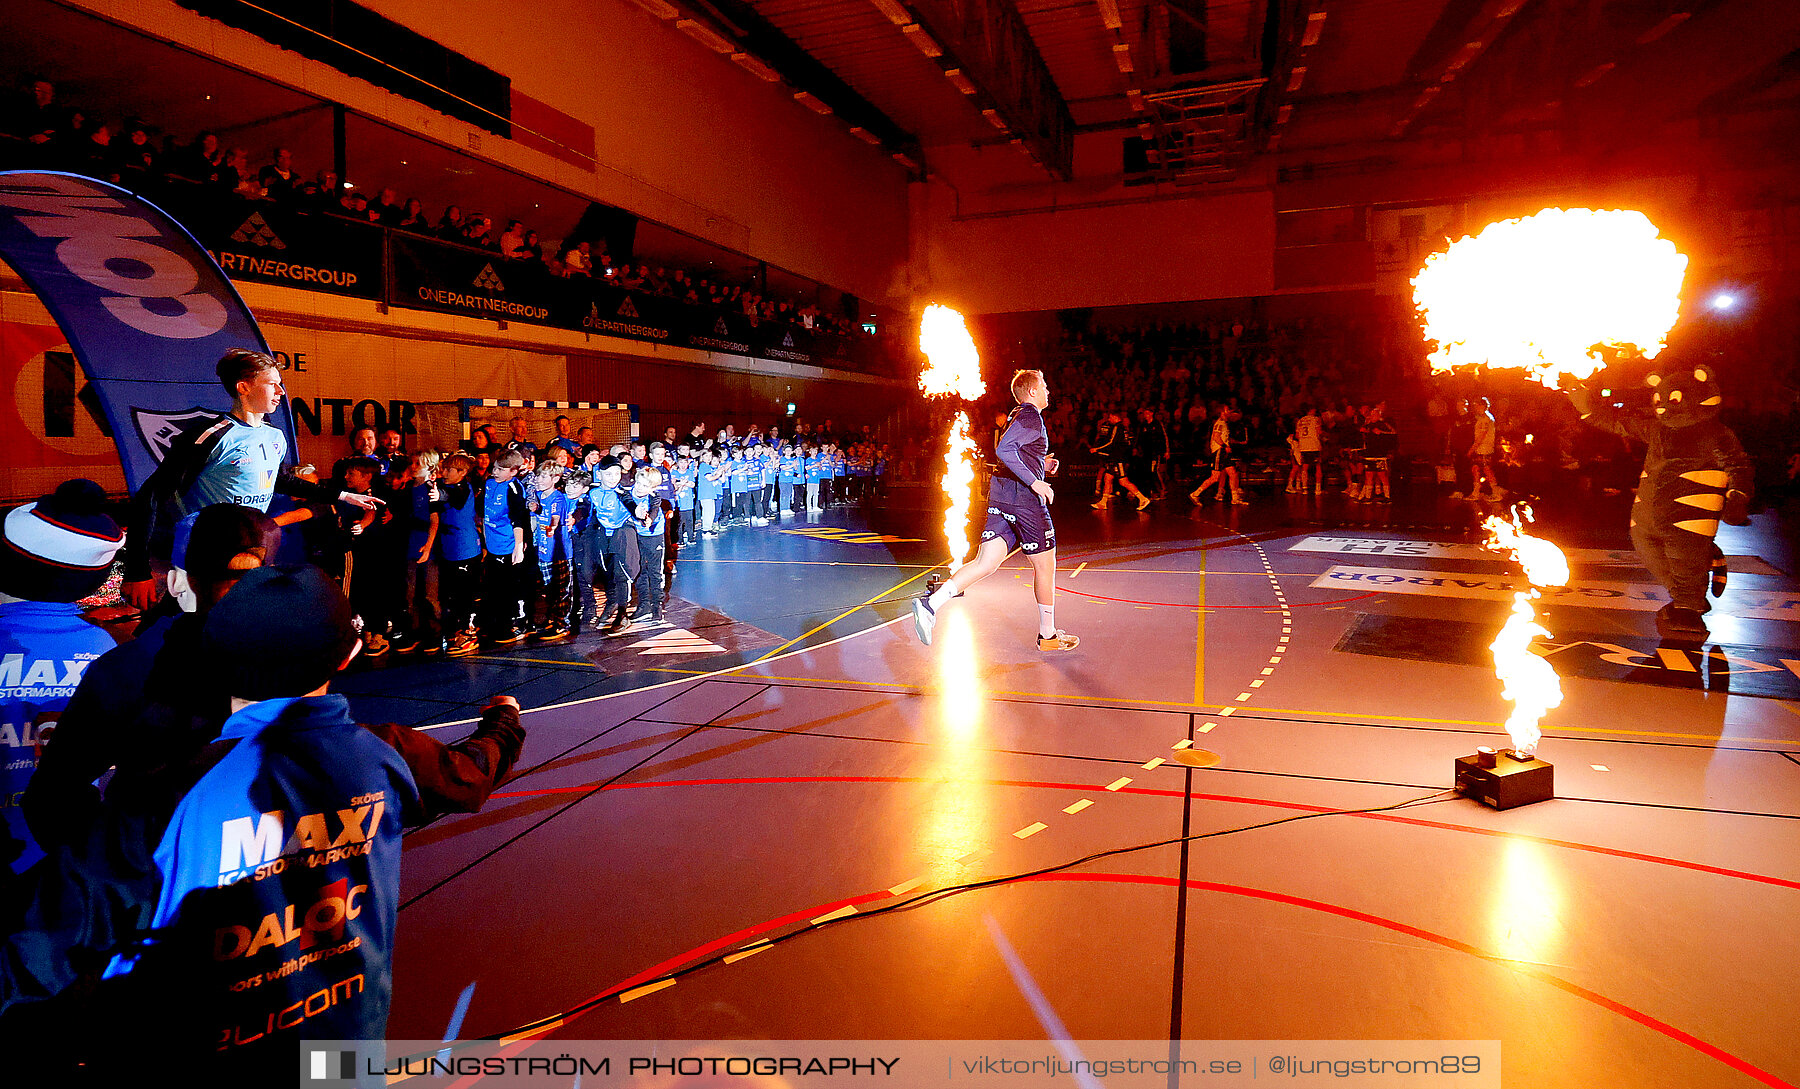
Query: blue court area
[834, 832]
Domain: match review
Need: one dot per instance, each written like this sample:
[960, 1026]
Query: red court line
[1185, 605]
[1572, 845]
[1711, 1051]
[1656, 1024]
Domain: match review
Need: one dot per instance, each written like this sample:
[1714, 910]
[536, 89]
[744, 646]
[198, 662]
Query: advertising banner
[146, 312]
[260, 242]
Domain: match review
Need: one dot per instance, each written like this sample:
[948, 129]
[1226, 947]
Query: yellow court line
[841, 616]
[1348, 715]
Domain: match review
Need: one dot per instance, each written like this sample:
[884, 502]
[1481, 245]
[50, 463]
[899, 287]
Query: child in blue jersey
[771, 476]
[505, 522]
[791, 471]
[587, 554]
[739, 481]
[709, 486]
[55, 551]
[423, 507]
[618, 542]
[813, 463]
[687, 476]
[459, 554]
[650, 527]
[551, 545]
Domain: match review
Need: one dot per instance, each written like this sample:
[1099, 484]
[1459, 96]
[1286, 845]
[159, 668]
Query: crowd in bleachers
[40, 130]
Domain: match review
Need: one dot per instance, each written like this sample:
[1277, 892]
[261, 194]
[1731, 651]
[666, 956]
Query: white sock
[1046, 620]
[940, 595]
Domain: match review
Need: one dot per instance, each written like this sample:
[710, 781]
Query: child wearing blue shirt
[740, 470]
[548, 523]
[650, 547]
[459, 554]
[791, 480]
[505, 521]
[814, 463]
[687, 476]
[709, 486]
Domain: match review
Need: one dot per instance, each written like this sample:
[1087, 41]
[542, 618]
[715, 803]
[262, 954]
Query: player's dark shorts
[1025, 526]
[1309, 458]
[1374, 465]
[1225, 457]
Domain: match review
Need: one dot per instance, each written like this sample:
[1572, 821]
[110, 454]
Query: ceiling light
[920, 37]
[1315, 25]
[662, 9]
[756, 68]
[864, 135]
[1283, 114]
[813, 103]
[1593, 75]
[1296, 78]
[1664, 27]
[905, 160]
[706, 36]
[895, 11]
[1122, 58]
[994, 119]
[959, 81]
[1109, 14]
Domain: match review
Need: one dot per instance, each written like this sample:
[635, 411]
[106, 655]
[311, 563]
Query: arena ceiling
[1210, 86]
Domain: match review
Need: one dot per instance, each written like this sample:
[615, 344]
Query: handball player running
[1018, 514]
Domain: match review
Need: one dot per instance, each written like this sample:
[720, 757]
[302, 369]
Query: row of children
[496, 547]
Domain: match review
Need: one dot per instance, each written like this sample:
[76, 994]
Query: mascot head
[1685, 394]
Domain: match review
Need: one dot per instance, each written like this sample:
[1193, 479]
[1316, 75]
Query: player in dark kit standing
[1018, 514]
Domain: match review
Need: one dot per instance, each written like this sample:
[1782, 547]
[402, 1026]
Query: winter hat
[207, 542]
[61, 547]
[282, 631]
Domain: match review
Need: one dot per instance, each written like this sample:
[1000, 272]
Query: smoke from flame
[1526, 678]
[953, 369]
[1542, 292]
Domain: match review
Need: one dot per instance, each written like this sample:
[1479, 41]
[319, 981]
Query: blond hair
[1023, 382]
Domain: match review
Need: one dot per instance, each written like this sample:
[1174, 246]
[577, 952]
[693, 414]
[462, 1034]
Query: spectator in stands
[630, 278]
[387, 209]
[480, 232]
[353, 205]
[450, 225]
[512, 243]
[235, 176]
[413, 218]
[202, 159]
[279, 180]
[137, 155]
[42, 119]
[578, 260]
[322, 194]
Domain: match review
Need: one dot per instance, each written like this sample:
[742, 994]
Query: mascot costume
[1696, 475]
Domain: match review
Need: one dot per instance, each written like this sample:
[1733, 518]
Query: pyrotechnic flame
[958, 484]
[1526, 679]
[1542, 292]
[952, 366]
[953, 369]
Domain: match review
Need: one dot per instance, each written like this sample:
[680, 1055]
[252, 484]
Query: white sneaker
[924, 619]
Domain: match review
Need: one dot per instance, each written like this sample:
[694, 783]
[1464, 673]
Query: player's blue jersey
[241, 468]
[45, 647]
